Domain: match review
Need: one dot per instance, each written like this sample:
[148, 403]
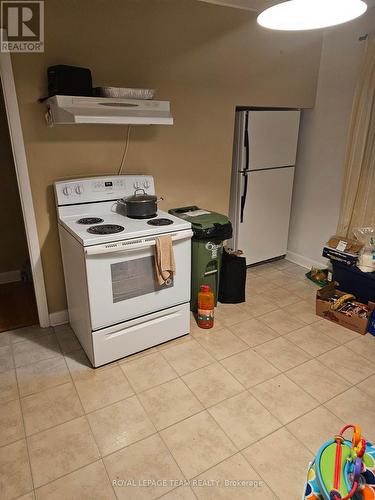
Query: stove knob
[67, 190]
[146, 184]
[79, 189]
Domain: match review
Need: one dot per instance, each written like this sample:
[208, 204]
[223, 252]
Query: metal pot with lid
[140, 206]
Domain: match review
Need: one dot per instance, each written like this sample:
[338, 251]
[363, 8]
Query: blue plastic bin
[353, 280]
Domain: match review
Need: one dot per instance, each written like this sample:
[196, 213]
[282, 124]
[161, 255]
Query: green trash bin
[210, 229]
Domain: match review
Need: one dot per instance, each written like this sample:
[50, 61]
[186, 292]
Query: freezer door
[273, 138]
[263, 234]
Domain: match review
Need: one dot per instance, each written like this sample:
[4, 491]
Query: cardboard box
[323, 309]
[344, 250]
[335, 255]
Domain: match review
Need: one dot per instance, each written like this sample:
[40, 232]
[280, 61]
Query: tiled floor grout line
[257, 440]
[36, 341]
[12, 398]
[349, 389]
[203, 410]
[312, 356]
[155, 352]
[91, 432]
[101, 407]
[55, 355]
[175, 489]
[282, 423]
[300, 364]
[172, 455]
[314, 409]
[45, 388]
[72, 382]
[24, 427]
[260, 475]
[67, 474]
[329, 368]
[307, 392]
[191, 340]
[157, 431]
[149, 415]
[70, 420]
[221, 461]
[29, 339]
[28, 436]
[238, 450]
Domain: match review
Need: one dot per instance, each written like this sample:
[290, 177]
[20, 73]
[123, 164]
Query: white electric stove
[116, 306]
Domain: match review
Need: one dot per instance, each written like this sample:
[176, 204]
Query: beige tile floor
[250, 400]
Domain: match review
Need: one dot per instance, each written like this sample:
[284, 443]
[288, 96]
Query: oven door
[122, 281]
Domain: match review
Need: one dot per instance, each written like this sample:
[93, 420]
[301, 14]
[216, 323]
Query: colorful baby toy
[342, 469]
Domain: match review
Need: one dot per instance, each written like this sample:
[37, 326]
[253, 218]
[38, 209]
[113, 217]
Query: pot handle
[160, 199]
[139, 189]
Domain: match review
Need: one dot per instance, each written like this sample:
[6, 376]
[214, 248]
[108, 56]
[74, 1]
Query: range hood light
[295, 15]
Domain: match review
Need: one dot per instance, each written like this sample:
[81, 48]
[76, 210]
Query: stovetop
[87, 208]
[70, 217]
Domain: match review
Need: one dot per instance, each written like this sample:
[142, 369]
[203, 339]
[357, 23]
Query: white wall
[322, 144]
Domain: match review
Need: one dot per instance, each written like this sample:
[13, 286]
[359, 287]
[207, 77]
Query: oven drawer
[136, 335]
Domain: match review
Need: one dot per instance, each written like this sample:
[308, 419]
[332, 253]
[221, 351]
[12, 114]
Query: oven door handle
[130, 245]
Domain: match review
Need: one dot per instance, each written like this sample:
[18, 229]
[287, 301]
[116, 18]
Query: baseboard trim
[10, 277]
[59, 318]
[303, 261]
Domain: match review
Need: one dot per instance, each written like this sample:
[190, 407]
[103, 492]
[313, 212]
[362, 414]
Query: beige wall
[205, 59]
[323, 138]
[13, 254]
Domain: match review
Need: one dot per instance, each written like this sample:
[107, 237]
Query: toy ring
[334, 495]
[357, 469]
[356, 435]
[361, 448]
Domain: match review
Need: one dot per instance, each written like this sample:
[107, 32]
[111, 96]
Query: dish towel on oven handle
[164, 259]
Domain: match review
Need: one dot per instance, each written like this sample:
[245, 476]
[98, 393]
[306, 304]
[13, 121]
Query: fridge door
[273, 138]
[263, 234]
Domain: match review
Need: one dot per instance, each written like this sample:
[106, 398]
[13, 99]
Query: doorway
[23, 181]
[17, 298]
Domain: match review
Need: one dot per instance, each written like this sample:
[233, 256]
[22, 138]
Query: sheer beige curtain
[358, 198]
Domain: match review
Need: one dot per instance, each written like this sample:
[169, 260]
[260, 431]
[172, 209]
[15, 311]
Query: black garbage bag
[232, 279]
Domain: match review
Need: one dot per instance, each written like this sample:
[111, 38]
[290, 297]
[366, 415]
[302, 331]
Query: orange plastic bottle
[206, 306]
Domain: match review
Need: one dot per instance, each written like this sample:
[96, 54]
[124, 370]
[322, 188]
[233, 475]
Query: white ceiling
[257, 5]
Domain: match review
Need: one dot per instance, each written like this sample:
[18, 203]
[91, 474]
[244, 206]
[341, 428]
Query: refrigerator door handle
[246, 170]
[247, 143]
[243, 197]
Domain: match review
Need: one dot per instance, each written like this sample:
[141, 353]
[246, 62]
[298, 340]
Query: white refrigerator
[264, 157]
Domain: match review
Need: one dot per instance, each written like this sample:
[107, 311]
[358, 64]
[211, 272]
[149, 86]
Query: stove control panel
[106, 188]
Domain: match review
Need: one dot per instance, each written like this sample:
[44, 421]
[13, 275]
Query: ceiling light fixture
[297, 15]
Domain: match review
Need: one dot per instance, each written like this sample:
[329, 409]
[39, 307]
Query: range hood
[118, 111]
